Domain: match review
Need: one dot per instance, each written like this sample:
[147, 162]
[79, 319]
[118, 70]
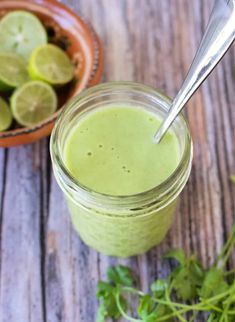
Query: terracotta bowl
[78, 39]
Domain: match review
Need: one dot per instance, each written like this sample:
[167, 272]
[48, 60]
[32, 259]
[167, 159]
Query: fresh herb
[186, 292]
[118, 276]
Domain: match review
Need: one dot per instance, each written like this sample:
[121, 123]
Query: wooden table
[46, 273]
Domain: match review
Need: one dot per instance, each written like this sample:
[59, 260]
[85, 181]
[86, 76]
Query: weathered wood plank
[154, 42]
[3, 160]
[20, 290]
[2, 172]
[47, 274]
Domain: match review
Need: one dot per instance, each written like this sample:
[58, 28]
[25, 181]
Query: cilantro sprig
[186, 292]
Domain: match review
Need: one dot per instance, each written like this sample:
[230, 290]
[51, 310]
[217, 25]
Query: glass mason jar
[120, 225]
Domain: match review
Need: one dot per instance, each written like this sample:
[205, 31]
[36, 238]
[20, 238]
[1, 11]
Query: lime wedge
[13, 71]
[5, 115]
[33, 102]
[49, 63]
[20, 33]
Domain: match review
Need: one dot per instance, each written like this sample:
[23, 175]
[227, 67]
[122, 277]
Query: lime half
[49, 63]
[33, 102]
[13, 71]
[21, 32]
[5, 115]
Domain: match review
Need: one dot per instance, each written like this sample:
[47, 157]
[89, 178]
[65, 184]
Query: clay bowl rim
[95, 72]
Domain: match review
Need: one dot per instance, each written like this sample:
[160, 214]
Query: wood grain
[46, 273]
[21, 289]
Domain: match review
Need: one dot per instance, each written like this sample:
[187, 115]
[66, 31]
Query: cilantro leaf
[146, 306]
[213, 283]
[159, 287]
[184, 285]
[103, 289]
[120, 275]
[106, 293]
[187, 279]
[101, 313]
[161, 311]
[177, 254]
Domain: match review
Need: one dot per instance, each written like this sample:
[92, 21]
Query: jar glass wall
[120, 225]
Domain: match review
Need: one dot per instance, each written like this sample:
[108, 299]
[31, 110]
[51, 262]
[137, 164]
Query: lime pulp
[20, 33]
[33, 102]
[13, 71]
[5, 115]
[51, 64]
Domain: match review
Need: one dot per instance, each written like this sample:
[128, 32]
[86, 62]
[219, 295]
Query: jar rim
[87, 193]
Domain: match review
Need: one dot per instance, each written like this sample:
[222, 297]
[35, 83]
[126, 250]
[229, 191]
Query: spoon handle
[218, 37]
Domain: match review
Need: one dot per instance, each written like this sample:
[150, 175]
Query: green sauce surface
[111, 151]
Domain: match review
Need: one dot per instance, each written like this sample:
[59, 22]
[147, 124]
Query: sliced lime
[33, 102]
[20, 33]
[13, 71]
[5, 115]
[49, 63]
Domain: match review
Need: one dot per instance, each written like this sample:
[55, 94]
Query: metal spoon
[218, 37]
